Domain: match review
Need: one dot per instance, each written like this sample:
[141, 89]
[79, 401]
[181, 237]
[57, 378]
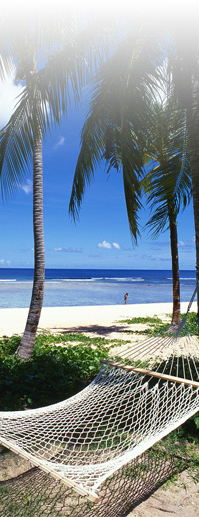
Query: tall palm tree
[172, 39]
[184, 63]
[181, 33]
[48, 85]
[168, 179]
[156, 135]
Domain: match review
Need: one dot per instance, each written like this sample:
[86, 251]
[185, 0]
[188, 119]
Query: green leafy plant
[156, 327]
[53, 372]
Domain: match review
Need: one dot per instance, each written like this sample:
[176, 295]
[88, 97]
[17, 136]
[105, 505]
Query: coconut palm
[156, 135]
[48, 85]
[182, 52]
[184, 64]
[178, 42]
[168, 179]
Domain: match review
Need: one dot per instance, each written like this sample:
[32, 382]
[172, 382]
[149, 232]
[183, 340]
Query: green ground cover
[52, 374]
[157, 327]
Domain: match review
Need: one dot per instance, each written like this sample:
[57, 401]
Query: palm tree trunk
[193, 137]
[28, 339]
[175, 269]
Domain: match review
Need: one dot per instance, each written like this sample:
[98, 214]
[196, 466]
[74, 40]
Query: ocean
[73, 287]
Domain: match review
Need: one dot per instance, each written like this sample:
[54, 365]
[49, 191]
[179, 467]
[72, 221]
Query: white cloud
[108, 245]
[116, 245]
[68, 250]
[8, 94]
[185, 246]
[104, 244]
[5, 262]
[26, 187]
[59, 143]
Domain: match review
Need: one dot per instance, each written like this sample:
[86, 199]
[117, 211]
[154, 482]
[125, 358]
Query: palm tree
[178, 43]
[47, 88]
[168, 179]
[156, 135]
[184, 64]
[182, 53]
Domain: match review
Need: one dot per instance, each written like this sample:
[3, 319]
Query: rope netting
[36, 493]
[136, 399]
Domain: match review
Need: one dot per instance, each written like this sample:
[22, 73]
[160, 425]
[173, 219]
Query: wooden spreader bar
[151, 373]
[38, 463]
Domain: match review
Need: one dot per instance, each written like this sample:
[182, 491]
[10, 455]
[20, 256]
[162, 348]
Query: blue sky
[101, 238]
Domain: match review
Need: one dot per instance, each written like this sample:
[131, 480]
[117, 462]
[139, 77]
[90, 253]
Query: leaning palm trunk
[175, 269]
[28, 339]
[193, 137]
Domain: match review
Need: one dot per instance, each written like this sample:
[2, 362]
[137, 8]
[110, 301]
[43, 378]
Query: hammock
[135, 400]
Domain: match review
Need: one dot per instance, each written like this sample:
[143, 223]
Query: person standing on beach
[125, 298]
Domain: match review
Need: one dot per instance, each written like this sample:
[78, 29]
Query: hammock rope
[136, 399]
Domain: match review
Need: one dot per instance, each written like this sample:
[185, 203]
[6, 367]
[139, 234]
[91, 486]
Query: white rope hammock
[135, 400]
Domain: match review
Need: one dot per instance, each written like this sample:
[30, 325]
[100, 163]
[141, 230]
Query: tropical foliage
[168, 180]
[149, 133]
[116, 125]
[51, 72]
[118, 118]
[59, 367]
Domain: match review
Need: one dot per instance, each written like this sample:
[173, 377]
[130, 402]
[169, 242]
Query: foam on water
[93, 287]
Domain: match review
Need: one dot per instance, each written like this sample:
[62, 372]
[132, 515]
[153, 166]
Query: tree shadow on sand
[36, 493]
[94, 329]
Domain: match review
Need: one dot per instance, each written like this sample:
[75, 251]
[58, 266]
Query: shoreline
[12, 321]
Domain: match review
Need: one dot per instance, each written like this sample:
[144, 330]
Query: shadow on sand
[36, 493]
[100, 330]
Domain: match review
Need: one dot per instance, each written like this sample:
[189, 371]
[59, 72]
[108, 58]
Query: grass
[157, 327]
[183, 443]
[53, 372]
[142, 319]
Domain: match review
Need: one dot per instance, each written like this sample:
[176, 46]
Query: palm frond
[16, 145]
[168, 179]
[116, 121]
[91, 153]
[42, 104]
[132, 191]
[158, 222]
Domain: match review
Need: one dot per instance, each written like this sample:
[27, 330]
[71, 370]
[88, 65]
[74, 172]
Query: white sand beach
[12, 321]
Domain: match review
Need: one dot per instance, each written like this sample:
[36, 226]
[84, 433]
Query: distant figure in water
[125, 298]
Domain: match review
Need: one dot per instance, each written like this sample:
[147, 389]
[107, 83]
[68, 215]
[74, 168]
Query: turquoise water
[64, 287]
